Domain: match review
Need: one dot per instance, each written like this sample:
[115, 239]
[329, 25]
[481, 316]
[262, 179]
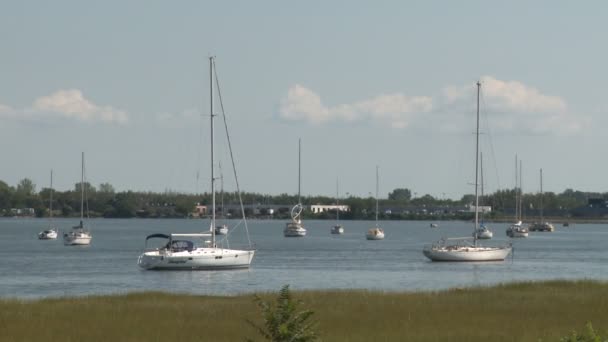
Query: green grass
[515, 312]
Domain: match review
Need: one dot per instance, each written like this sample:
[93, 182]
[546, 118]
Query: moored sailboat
[80, 235]
[518, 229]
[542, 225]
[52, 232]
[375, 233]
[337, 228]
[467, 249]
[199, 251]
[295, 228]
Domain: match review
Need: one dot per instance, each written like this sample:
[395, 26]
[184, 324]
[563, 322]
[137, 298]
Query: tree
[26, 187]
[400, 195]
[283, 322]
[106, 188]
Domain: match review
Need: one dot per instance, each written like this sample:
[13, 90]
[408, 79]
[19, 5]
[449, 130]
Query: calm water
[32, 268]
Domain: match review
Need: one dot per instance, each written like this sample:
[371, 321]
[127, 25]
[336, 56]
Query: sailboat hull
[197, 259]
[50, 234]
[453, 253]
[76, 239]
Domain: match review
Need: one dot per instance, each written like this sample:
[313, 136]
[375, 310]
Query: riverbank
[514, 312]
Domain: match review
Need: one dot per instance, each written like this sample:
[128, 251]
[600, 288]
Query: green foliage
[590, 335]
[282, 321]
[403, 195]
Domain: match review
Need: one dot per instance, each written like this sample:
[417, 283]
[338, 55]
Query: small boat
[221, 229]
[295, 228]
[197, 251]
[52, 232]
[483, 233]
[517, 230]
[80, 235]
[542, 225]
[434, 225]
[467, 249]
[375, 233]
[337, 228]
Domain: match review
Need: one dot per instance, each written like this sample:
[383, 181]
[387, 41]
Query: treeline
[104, 201]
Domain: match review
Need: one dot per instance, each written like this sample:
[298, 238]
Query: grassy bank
[514, 312]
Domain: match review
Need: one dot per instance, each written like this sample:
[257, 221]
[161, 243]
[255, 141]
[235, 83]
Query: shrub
[282, 321]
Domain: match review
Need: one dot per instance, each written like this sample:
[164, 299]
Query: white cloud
[72, 104]
[396, 110]
[515, 107]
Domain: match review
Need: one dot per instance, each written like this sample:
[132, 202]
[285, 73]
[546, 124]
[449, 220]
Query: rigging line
[238, 189]
[491, 142]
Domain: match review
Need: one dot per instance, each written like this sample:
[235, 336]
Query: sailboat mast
[82, 190]
[212, 150]
[541, 196]
[516, 192]
[521, 191]
[51, 201]
[337, 201]
[477, 167]
[481, 180]
[377, 180]
[299, 168]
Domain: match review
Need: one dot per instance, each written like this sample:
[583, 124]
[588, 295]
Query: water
[32, 268]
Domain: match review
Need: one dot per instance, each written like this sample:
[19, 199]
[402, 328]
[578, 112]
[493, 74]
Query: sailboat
[517, 229]
[79, 235]
[295, 228]
[337, 228]
[483, 232]
[222, 229]
[541, 226]
[183, 251]
[467, 248]
[52, 232]
[375, 233]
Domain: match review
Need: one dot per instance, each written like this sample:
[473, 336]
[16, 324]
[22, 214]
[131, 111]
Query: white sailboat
[483, 231]
[52, 232]
[467, 248]
[79, 235]
[375, 233]
[337, 228]
[517, 229]
[198, 251]
[542, 225]
[295, 228]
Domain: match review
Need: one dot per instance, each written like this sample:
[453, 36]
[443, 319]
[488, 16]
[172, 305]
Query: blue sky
[388, 83]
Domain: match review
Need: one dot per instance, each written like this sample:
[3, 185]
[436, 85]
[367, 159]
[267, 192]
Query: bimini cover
[162, 236]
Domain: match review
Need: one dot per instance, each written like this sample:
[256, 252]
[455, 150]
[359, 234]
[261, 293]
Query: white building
[480, 209]
[317, 208]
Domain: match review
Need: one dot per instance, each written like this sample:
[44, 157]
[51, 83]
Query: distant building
[480, 209]
[318, 208]
[199, 210]
[23, 212]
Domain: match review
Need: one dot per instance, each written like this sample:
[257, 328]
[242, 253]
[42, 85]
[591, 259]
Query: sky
[362, 83]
